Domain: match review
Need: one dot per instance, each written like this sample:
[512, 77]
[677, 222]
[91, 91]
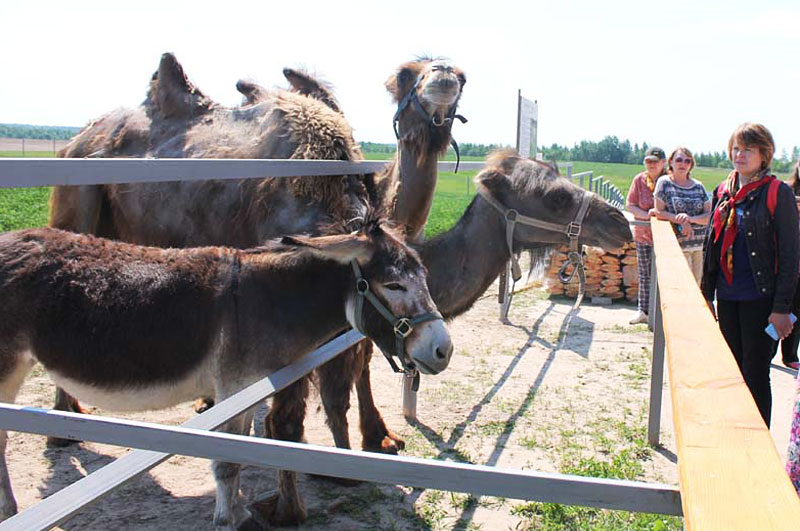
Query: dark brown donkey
[126, 327]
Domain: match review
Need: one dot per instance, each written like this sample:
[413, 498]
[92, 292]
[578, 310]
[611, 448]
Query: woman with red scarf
[751, 258]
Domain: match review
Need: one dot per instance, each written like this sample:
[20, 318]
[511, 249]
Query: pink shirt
[640, 195]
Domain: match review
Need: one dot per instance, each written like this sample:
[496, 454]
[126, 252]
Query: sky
[666, 73]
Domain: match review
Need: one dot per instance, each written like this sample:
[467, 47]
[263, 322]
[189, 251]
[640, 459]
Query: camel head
[536, 190]
[426, 91]
[172, 95]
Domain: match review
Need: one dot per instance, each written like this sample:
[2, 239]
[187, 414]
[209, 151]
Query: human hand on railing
[682, 218]
[783, 325]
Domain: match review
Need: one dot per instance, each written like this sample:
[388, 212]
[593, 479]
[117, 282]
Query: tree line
[41, 132]
[467, 148]
[610, 149]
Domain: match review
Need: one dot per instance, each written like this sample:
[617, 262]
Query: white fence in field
[155, 443]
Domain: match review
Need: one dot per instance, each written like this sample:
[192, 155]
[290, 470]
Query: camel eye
[559, 198]
[394, 286]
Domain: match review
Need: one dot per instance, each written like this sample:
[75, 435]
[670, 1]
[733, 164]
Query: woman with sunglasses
[640, 203]
[751, 258]
[684, 201]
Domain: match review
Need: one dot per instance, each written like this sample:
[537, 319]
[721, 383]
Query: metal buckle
[511, 214]
[573, 229]
[362, 286]
[403, 327]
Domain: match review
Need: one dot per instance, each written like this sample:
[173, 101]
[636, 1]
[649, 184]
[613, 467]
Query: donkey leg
[376, 437]
[230, 512]
[285, 422]
[64, 402]
[13, 370]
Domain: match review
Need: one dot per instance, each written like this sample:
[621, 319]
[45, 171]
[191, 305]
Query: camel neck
[463, 262]
[415, 175]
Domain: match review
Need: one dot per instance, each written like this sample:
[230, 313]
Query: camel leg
[64, 402]
[376, 437]
[335, 380]
[230, 513]
[13, 368]
[285, 422]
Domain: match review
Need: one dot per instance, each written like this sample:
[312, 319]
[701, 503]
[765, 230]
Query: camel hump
[304, 83]
[252, 92]
[172, 95]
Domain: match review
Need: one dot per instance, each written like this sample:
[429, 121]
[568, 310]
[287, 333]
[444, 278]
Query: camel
[177, 120]
[137, 328]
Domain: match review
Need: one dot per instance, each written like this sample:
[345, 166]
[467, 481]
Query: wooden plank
[29, 172]
[730, 473]
[22, 172]
[381, 468]
[60, 506]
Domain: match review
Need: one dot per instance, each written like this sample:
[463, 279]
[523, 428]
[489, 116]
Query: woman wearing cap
[685, 202]
[640, 204]
[751, 258]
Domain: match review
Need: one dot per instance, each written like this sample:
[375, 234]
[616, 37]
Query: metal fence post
[409, 397]
[657, 373]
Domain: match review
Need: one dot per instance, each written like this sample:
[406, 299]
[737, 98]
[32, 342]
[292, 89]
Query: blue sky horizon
[683, 73]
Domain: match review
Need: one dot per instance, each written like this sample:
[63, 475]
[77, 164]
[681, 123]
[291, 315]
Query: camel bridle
[403, 326]
[431, 119]
[571, 229]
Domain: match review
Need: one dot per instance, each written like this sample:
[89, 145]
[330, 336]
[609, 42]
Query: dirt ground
[534, 394]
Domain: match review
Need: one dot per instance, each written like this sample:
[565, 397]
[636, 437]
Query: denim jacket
[773, 247]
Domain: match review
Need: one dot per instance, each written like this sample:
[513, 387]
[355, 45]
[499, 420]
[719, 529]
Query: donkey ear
[171, 94]
[304, 83]
[252, 92]
[341, 248]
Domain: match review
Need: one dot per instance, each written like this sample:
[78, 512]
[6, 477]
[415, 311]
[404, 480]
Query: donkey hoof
[57, 442]
[201, 405]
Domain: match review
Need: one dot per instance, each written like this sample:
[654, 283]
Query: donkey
[127, 327]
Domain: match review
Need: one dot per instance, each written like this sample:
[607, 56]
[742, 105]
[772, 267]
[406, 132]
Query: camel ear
[307, 85]
[252, 92]
[171, 94]
[401, 82]
[341, 248]
[462, 78]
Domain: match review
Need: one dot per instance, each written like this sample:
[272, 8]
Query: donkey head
[388, 299]
[535, 189]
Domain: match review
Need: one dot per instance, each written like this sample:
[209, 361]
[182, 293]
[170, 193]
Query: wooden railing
[731, 476]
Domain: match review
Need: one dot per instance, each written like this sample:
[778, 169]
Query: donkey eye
[394, 286]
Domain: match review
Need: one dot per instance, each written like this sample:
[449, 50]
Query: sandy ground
[531, 395]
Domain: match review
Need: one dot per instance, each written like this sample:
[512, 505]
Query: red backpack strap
[772, 196]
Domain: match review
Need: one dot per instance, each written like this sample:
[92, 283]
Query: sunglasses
[681, 160]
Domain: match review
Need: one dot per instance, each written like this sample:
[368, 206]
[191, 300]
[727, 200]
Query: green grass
[22, 208]
[27, 154]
